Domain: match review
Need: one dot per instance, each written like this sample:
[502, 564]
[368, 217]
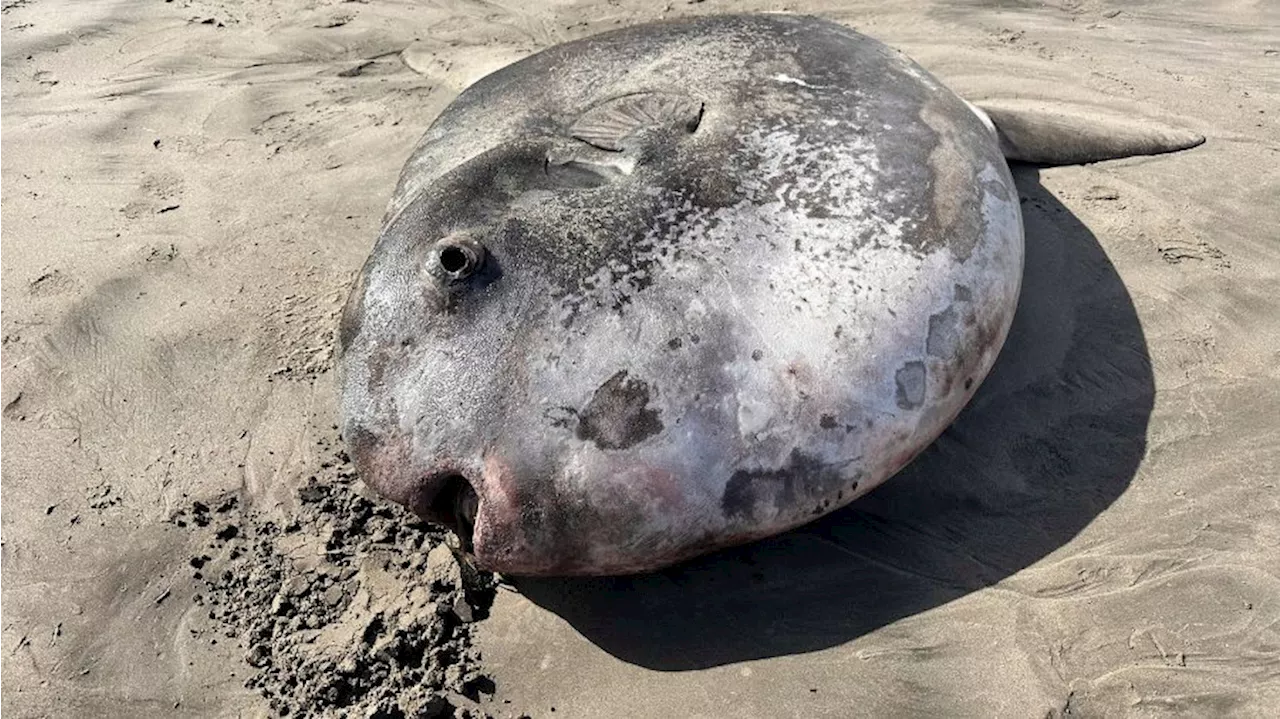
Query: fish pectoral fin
[1049, 133]
[614, 136]
[622, 123]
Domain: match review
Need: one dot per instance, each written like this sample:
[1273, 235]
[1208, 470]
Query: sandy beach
[190, 186]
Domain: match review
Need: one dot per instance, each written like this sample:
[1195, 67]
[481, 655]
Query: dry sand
[189, 186]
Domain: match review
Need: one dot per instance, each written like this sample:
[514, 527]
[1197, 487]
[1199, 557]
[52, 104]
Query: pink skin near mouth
[500, 543]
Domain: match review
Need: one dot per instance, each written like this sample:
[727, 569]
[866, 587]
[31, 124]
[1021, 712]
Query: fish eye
[459, 258]
[453, 259]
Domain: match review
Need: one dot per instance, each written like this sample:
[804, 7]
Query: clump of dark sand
[344, 605]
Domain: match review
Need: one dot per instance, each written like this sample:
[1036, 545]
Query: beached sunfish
[685, 285]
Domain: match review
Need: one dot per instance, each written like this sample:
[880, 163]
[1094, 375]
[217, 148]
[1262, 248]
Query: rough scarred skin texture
[737, 272]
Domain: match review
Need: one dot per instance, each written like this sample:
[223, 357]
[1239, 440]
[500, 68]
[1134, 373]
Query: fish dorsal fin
[616, 123]
[1049, 133]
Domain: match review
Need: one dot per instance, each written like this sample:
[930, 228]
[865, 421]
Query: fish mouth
[455, 505]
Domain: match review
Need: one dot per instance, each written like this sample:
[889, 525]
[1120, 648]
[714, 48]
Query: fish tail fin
[1046, 133]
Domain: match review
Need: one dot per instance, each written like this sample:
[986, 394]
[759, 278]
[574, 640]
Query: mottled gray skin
[715, 329]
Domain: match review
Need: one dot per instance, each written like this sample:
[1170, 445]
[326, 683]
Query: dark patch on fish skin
[359, 440]
[828, 421]
[968, 383]
[946, 328]
[800, 481]
[675, 343]
[757, 355]
[910, 379]
[563, 417]
[618, 416]
[944, 334]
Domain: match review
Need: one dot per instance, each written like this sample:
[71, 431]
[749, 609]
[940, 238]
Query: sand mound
[344, 605]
